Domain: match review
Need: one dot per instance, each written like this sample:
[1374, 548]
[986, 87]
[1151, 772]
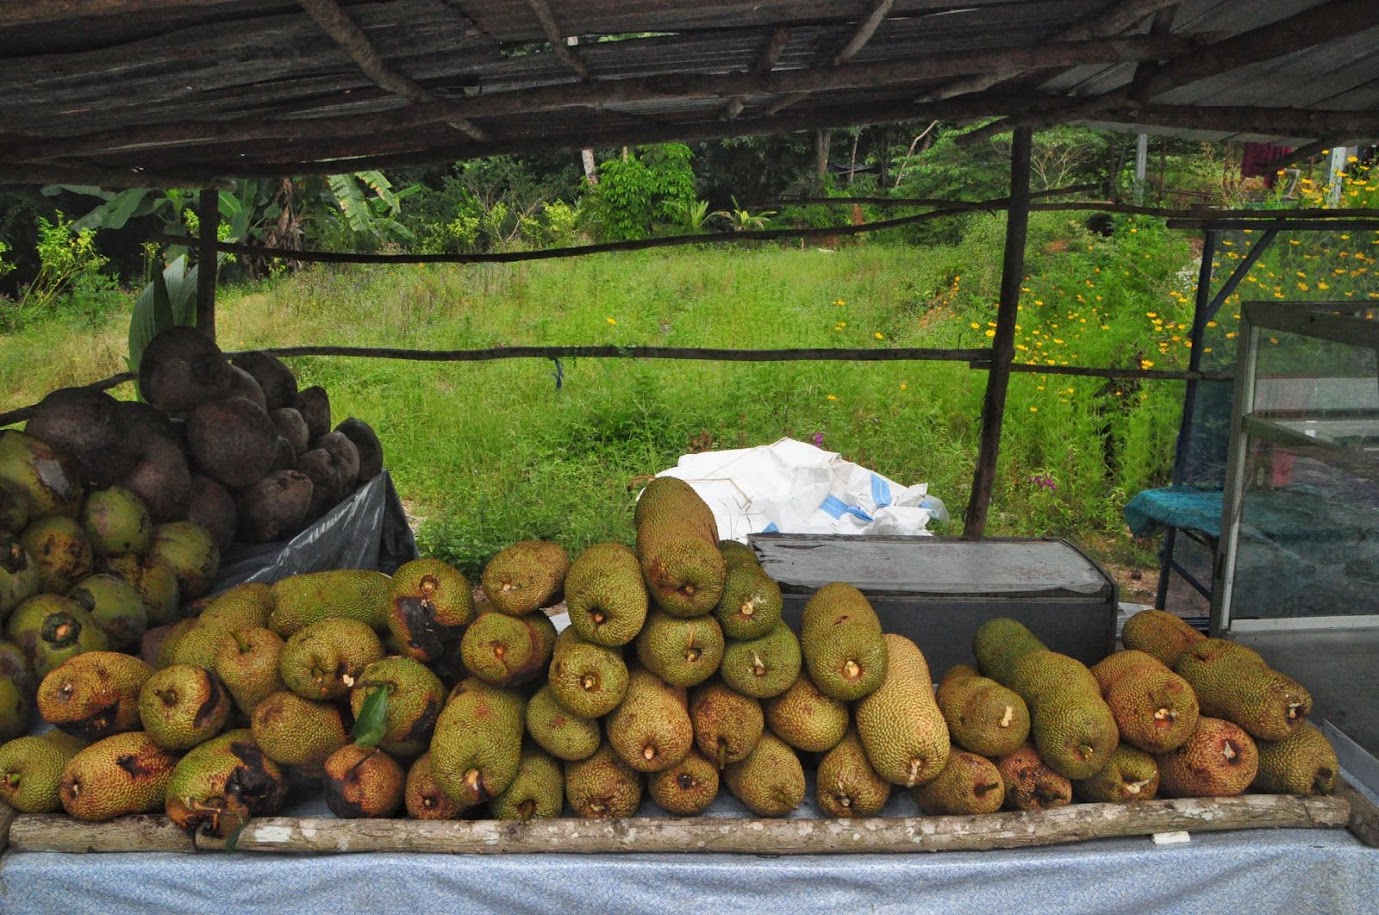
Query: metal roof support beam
[765, 63]
[859, 39]
[557, 38]
[333, 19]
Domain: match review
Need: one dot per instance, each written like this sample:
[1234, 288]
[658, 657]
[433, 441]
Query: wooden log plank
[1364, 815]
[703, 835]
[37, 11]
[7, 815]
[555, 36]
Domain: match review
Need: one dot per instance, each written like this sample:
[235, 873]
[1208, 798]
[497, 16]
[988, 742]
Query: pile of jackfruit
[676, 677]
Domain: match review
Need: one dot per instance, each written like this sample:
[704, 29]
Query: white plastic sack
[796, 488]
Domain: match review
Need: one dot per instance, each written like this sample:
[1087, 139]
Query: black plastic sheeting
[368, 530]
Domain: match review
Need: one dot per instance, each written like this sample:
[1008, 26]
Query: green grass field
[488, 453]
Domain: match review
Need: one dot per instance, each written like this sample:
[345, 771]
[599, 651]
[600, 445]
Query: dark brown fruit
[242, 384]
[213, 508]
[221, 783]
[363, 782]
[367, 444]
[326, 483]
[284, 456]
[233, 440]
[292, 427]
[344, 456]
[84, 424]
[275, 507]
[161, 479]
[143, 422]
[275, 379]
[1031, 785]
[180, 368]
[314, 405]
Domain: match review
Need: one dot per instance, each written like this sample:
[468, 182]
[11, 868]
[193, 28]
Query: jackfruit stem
[913, 775]
[169, 695]
[648, 752]
[851, 669]
[12, 779]
[1164, 714]
[693, 655]
[758, 666]
[1008, 716]
[588, 682]
[428, 584]
[747, 608]
[597, 617]
[1293, 709]
[1229, 750]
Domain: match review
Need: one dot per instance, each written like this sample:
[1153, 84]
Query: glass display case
[1300, 521]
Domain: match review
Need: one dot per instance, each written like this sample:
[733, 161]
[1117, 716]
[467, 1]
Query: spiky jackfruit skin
[1304, 762]
[805, 718]
[1159, 633]
[122, 774]
[587, 680]
[677, 545]
[998, 643]
[751, 603]
[1233, 682]
[1218, 760]
[477, 744]
[681, 651]
[602, 786]
[30, 768]
[182, 706]
[565, 736]
[363, 783]
[423, 797]
[840, 636]
[1122, 663]
[537, 791]
[498, 648]
[247, 662]
[650, 730]
[846, 785]
[94, 695]
[900, 724]
[1131, 775]
[326, 659]
[727, 724]
[1040, 672]
[358, 594]
[738, 555]
[1031, 785]
[1074, 731]
[686, 788]
[245, 606]
[770, 781]
[764, 667]
[196, 643]
[1155, 709]
[525, 576]
[415, 698]
[983, 716]
[227, 774]
[428, 605]
[297, 732]
[605, 595]
[968, 784]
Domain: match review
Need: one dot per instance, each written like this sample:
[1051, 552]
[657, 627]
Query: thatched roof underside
[179, 92]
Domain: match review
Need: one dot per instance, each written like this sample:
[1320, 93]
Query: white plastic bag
[794, 487]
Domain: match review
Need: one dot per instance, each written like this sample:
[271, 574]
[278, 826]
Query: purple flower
[1043, 481]
[818, 439]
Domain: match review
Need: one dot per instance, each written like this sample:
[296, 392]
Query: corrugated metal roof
[179, 91]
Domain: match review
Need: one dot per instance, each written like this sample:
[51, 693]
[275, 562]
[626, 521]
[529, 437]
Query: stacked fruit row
[676, 676]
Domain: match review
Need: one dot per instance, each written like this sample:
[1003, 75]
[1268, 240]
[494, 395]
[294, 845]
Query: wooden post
[208, 208]
[1003, 345]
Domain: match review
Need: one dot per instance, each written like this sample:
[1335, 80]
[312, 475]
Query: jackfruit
[155, 582]
[477, 743]
[326, 659]
[751, 603]
[686, 788]
[429, 603]
[650, 730]
[30, 768]
[738, 555]
[195, 644]
[423, 797]
[223, 782]
[677, 544]
[998, 643]
[983, 716]
[840, 636]
[298, 732]
[805, 718]
[247, 663]
[58, 547]
[1159, 633]
[115, 607]
[1155, 709]
[537, 791]
[1304, 762]
[1031, 785]
[363, 782]
[359, 594]
[1131, 775]
[1233, 682]
[561, 734]
[182, 706]
[968, 784]
[245, 606]
[846, 785]
[19, 576]
[1074, 731]
[605, 595]
[1042, 672]
[900, 724]
[602, 786]
[681, 651]
[415, 697]
[122, 774]
[191, 551]
[587, 680]
[770, 781]
[502, 649]
[94, 695]
[525, 576]
[1114, 666]
[727, 724]
[764, 667]
[1218, 760]
[116, 521]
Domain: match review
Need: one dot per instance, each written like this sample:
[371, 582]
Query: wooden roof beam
[557, 38]
[765, 63]
[333, 19]
[865, 30]
[39, 11]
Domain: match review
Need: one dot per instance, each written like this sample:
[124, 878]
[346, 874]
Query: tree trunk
[591, 171]
[821, 144]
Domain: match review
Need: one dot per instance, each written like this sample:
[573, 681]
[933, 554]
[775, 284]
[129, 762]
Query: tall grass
[489, 453]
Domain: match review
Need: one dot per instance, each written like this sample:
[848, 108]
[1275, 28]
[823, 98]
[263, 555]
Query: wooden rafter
[764, 64]
[35, 12]
[557, 38]
[333, 19]
[865, 30]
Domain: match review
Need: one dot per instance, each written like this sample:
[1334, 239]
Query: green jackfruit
[727, 724]
[650, 730]
[423, 796]
[686, 788]
[94, 694]
[770, 781]
[326, 659]
[293, 731]
[840, 636]
[182, 706]
[245, 606]
[525, 576]
[900, 724]
[359, 594]
[1304, 762]
[537, 791]
[605, 595]
[999, 643]
[681, 651]
[1041, 672]
[218, 785]
[846, 784]
[196, 643]
[415, 698]
[247, 662]
[751, 603]
[477, 743]
[1155, 709]
[502, 649]
[1233, 682]
[1075, 732]
[677, 544]
[805, 718]
[968, 784]
[1114, 666]
[1031, 785]
[122, 774]
[1218, 760]
[1131, 775]
[738, 555]
[30, 768]
[561, 734]
[1159, 633]
[983, 716]
[429, 603]
[764, 667]
[602, 786]
[587, 680]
